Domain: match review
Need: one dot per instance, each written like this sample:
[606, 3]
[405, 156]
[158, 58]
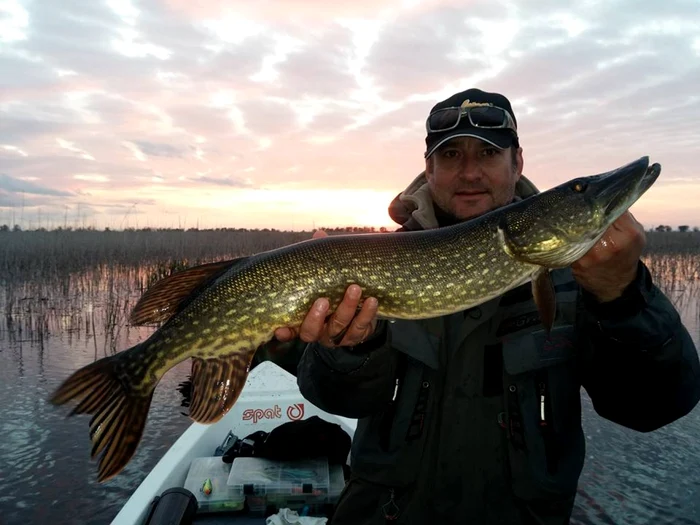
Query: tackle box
[222, 497]
[285, 484]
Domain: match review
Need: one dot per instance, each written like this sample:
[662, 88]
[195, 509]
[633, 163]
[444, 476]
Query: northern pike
[220, 313]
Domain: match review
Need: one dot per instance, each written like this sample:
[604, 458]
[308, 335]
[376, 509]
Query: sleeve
[641, 366]
[350, 381]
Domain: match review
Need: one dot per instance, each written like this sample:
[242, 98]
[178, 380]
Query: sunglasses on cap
[479, 117]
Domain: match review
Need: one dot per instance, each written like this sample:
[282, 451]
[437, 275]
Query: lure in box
[207, 480]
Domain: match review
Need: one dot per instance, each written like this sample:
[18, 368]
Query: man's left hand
[611, 265]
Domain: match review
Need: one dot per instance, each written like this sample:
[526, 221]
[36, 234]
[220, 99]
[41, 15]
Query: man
[463, 419]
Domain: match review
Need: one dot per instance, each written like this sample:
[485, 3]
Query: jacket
[475, 417]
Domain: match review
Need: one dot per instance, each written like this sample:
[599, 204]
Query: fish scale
[220, 313]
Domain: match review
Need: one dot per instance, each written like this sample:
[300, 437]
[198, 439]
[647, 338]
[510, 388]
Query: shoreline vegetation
[85, 282]
[55, 254]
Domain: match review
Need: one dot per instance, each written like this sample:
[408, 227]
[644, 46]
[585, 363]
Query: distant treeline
[682, 228]
[26, 255]
[335, 229]
[673, 242]
[341, 229]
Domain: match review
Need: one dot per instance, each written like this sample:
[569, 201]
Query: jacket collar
[413, 208]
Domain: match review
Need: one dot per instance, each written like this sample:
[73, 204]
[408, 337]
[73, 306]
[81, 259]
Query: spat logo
[256, 414]
[294, 413]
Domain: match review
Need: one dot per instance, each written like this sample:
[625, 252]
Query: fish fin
[167, 296]
[545, 298]
[119, 413]
[216, 385]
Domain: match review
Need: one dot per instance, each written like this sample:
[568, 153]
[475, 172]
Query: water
[647, 478]
[46, 476]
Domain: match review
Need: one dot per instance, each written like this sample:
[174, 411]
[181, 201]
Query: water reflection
[653, 478]
[49, 329]
[46, 332]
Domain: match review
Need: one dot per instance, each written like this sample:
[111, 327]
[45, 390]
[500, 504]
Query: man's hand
[315, 328]
[611, 265]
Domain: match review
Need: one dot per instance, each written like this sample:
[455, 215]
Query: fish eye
[579, 186]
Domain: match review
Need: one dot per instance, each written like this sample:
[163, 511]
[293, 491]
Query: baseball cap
[498, 137]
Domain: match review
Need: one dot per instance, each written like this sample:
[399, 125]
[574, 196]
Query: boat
[270, 398]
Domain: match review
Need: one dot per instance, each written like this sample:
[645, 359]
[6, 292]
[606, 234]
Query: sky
[297, 114]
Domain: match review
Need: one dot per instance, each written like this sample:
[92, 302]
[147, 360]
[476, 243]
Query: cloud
[321, 69]
[13, 185]
[22, 201]
[59, 32]
[156, 149]
[19, 123]
[160, 99]
[91, 177]
[435, 40]
[232, 182]
[276, 11]
[267, 117]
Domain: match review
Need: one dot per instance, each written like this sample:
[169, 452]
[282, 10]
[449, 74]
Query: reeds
[46, 255]
[673, 242]
[85, 283]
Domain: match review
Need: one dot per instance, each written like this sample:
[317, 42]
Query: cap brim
[496, 138]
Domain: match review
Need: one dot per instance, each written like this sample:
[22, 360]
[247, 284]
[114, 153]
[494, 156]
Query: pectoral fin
[216, 385]
[545, 299]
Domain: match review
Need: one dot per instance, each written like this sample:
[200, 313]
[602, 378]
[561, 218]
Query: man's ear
[519, 161]
[429, 169]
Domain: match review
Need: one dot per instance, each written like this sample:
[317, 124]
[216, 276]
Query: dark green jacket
[476, 418]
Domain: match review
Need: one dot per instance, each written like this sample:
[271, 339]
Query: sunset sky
[300, 113]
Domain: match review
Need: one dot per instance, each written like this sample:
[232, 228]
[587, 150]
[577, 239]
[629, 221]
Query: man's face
[469, 177]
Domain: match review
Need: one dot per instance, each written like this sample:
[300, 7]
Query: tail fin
[119, 412]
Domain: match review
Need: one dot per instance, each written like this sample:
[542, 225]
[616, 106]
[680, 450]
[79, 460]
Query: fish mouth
[615, 191]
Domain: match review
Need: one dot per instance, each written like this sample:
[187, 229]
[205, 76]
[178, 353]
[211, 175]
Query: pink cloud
[200, 123]
[308, 10]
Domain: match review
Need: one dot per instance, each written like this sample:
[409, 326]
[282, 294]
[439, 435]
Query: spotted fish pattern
[219, 314]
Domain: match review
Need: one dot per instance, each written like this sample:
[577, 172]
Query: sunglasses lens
[487, 117]
[443, 119]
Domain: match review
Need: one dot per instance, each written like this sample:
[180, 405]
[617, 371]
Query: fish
[219, 314]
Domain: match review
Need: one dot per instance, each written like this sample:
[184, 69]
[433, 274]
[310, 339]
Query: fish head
[558, 226]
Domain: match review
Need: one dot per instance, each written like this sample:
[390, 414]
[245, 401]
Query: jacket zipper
[388, 419]
[543, 404]
[390, 508]
[546, 424]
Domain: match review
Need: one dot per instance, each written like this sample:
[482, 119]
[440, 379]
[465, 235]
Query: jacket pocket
[543, 414]
[395, 436]
[388, 446]
[404, 421]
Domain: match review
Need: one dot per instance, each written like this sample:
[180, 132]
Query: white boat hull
[270, 398]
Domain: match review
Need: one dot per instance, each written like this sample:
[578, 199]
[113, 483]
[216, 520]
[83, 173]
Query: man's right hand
[315, 327]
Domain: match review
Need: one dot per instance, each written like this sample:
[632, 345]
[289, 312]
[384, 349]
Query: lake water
[46, 476]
